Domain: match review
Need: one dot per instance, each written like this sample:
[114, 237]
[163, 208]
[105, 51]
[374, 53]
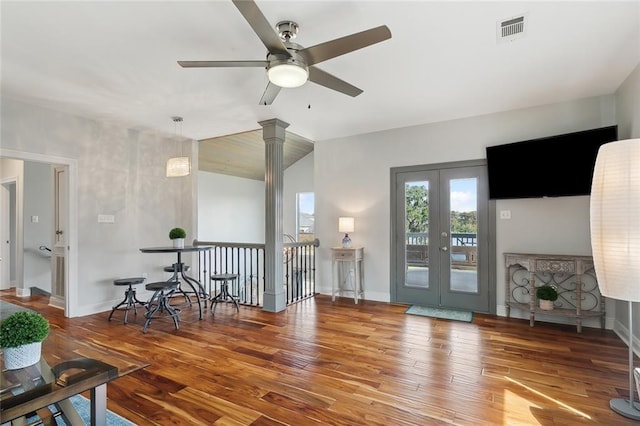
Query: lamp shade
[615, 219]
[178, 166]
[288, 75]
[346, 224]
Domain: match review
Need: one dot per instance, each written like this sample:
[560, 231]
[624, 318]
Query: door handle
[445, 248]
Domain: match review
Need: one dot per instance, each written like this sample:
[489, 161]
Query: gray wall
[352, 178]
[120, 172]
[230, 209]
[38, 201]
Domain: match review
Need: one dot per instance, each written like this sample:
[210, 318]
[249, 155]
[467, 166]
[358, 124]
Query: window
[304, 215]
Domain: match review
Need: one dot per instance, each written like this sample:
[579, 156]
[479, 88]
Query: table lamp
[346, 225]
[615, 237]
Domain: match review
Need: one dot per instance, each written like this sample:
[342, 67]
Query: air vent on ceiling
[511, 29]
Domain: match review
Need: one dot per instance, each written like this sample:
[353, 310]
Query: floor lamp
[615, 237]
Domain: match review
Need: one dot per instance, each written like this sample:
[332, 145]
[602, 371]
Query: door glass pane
[416, 195]
[463, 217]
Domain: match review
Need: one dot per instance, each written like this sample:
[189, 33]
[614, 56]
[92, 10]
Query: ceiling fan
[289, 64]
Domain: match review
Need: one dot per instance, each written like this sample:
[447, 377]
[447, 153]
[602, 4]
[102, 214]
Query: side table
[352, 258]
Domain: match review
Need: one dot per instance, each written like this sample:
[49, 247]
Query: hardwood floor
[343, 364]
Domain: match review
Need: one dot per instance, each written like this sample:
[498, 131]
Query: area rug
[449, 314]
[82, 406]
[7, 309]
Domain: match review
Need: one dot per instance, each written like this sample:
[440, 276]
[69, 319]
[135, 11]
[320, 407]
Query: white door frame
[7, 256]
[71, 258]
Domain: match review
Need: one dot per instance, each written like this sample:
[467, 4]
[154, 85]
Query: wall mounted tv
[555, 166]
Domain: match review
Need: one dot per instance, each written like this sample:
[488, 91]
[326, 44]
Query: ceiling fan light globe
[288, 75]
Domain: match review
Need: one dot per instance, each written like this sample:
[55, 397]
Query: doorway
[440, 236]
[69, 204]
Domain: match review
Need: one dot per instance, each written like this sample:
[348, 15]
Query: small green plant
[22, 328]
[547, 292]
[177, 233]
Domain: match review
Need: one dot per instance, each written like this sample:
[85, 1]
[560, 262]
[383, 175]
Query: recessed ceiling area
[243, 154]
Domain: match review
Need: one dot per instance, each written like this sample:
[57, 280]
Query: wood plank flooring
[324, 363]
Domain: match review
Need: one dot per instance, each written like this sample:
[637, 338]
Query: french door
[440, 244]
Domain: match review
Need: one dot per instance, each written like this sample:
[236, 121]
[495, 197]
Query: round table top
[170, 249]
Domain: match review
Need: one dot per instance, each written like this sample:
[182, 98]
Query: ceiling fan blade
[269, 94]
[261, 26]
[340, 46]
[325, 79]
[204, 64]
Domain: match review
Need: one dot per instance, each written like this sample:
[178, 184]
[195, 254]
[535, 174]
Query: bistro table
[68, 367]
[196, 286]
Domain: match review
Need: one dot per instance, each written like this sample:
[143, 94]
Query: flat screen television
[555, 166]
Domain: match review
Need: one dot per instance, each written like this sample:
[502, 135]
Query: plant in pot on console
[177, 235]
[21, 336]
[546, 294]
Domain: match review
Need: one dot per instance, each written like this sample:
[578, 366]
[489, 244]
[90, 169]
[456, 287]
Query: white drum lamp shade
[615, 237]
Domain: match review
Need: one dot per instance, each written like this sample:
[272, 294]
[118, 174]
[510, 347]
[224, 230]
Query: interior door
[441, 237]
[58, 269]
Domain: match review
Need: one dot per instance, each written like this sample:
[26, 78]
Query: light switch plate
[505, 214]
[106, 218]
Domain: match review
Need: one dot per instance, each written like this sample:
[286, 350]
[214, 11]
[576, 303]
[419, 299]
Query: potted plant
[21, 336]
[546, 294]
[177, 235]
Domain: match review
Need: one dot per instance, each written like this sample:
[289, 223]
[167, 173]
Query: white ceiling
[116, 61]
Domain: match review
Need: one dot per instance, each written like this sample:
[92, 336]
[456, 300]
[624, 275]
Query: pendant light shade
[178, 166]
[615, 219]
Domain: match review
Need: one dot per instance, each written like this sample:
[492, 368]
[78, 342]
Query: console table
[573, 276]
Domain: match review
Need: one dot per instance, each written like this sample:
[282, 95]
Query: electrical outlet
[505, 214]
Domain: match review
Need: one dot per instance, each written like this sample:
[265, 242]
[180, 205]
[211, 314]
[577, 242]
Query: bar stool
[161, 292]
[130, 300]
[224, 294]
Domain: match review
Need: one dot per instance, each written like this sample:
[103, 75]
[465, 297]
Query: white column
[273, 133]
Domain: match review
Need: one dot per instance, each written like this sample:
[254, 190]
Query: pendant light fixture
[178, 166]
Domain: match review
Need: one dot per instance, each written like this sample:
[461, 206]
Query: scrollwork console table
[573, 277]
